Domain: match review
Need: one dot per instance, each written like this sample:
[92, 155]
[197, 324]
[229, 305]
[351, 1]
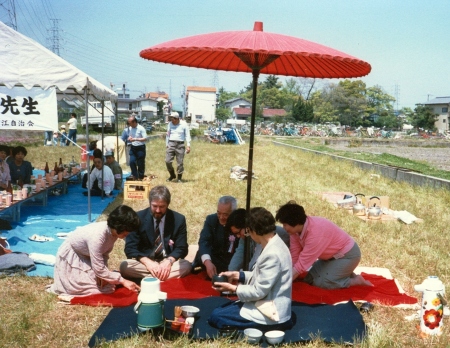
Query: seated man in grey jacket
[236, 225]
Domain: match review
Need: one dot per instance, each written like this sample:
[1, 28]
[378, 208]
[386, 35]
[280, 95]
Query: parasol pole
[255, 73]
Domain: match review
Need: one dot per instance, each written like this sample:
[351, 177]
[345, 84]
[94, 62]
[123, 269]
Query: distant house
[201, 103]
[440, 106]
[268, 114]
[237, 103]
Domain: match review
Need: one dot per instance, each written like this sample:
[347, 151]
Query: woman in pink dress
[81, 266]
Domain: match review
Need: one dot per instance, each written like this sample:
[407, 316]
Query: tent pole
[86, 103]
[255, 73]
[103, 144]
[116, 124]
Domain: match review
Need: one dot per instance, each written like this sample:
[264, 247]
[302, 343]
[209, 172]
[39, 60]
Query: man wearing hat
[177, 134]
[115, 168]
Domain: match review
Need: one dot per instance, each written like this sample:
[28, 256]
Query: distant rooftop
[200, 89]
[438, 100]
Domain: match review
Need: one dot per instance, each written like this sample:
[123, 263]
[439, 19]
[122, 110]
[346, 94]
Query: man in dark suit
[216, 246]
[148, 255]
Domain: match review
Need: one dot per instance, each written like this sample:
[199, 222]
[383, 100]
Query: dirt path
[437, 156]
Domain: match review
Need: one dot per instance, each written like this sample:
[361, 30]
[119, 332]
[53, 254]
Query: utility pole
[183, 95]
[397, 95]
[55, 37]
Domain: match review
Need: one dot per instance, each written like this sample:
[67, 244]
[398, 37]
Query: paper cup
[19, 195]
[8, 199]
[24, 192]
[39, 176]
[60, 176]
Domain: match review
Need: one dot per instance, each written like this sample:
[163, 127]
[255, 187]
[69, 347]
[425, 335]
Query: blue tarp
[63, 213]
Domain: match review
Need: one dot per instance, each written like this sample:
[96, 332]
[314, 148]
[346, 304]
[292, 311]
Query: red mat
[385, 291]
[196, 286]
[122, 297]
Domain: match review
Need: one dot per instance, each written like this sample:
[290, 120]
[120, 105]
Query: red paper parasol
[257, 52]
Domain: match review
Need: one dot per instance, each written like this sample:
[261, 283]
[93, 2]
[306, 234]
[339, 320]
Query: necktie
[159, 251]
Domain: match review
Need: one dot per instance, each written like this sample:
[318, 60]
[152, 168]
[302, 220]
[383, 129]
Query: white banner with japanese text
[23, 109]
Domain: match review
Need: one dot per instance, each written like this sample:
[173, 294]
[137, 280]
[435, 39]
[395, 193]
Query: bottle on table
[47, 170]
[61, 166]
[9, 188]
[56, 169]
[20, 181]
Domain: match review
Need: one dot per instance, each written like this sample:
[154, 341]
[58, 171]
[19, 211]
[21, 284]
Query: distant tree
[378, 101]
[224, 96]
[272, 82]
[303, 111]
[424, 117]
[223, 113]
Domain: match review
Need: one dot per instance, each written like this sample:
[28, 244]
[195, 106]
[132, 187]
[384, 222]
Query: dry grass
[32, 318]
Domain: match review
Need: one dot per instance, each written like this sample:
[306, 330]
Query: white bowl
[253, 336]
[189, 311]
[274, 337]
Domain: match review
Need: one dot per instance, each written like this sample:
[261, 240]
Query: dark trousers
[72, 136]
[228, 315]
[137, 161]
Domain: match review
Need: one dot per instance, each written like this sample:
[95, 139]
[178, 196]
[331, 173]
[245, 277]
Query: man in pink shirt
[322, 254]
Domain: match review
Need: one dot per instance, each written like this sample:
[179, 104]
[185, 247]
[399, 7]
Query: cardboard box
[136, 190]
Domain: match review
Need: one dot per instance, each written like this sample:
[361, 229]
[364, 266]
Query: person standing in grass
[81, 266]
[322, 254]
[217, 246]
[136, 135]
[177, 134]
[73, 124]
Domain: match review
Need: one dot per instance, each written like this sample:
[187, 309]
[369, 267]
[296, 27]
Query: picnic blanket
[40, 227]
[342, 323]
[196, 286]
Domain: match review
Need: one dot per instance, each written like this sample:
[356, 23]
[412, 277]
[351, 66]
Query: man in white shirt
[177, 133]
[73, 123]
[99, 181]
[137, 136]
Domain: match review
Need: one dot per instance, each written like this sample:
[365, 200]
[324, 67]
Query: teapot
[359, 209]
[374, 212]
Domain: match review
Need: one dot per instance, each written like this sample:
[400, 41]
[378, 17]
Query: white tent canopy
[24, 62]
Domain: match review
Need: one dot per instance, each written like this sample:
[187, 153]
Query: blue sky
[405, 41]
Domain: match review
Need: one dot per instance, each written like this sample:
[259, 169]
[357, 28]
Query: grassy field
[33, 318]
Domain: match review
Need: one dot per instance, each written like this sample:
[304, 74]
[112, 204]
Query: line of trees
[348, 102]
